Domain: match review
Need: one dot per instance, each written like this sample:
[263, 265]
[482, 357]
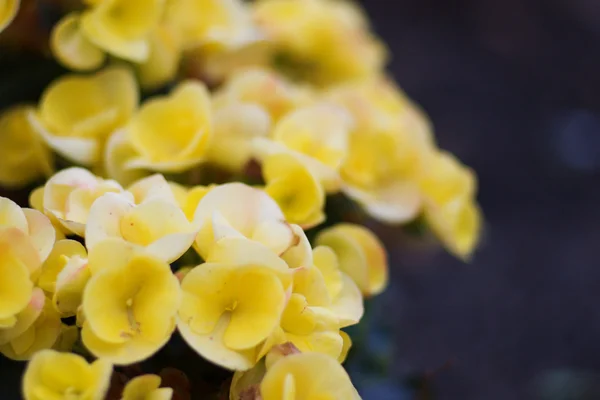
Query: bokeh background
[513, 89]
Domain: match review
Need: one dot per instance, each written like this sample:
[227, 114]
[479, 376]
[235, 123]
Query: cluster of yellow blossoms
[295, 87]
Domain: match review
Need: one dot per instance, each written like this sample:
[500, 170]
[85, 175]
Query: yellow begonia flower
[77, 112]
[192, 198]
[235, 125]
[8, 11]
[117, 153]
[123, 27]
[346, 298]
[163, 61]
[386, 149]
[35, 227]
[320, 131]
[64, 275]
[24, 319]
[146, 387]
[24, 157]
[41, 334]
[264, 88]
[172, 133]
[70, 46]
[361, 255]
[307, 376]
[325, 41]
[156, 224]
[70, 193]
[238, 210]
[54, 375]
[129, 303]
[450, 206]
[233, 302]
[295, 189]
[221, 23]
[152, 187]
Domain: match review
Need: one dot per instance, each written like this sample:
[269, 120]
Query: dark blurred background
[513, 88]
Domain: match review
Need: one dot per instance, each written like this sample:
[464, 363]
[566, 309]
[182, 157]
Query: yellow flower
[151, 187]
[129, 303]
[295, 189]
[39, 335]
[238, 210]
[54, 375]
[320, 131]
[346, 298]
[156, 224]
[8, 11]
[190, 198]
[386, 149]
[221, 23]
[37, 235]
[24, 319]
[64, 275]
[172, 133]
[146, 387]
[361, 255]
[24, 157]
[233, 302]
[450, 206]
[235, 126]
[324, 41]
[123, 27]
[117, 153]
[70, 193]
[77, 112]
[307, 376]
[163, 61]
[264, 88]
[71, 47]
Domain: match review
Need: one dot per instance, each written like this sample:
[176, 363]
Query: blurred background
[513, 90]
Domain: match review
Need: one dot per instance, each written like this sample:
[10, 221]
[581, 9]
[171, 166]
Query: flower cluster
[186, 161]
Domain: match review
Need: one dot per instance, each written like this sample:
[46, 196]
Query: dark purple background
[513, 88]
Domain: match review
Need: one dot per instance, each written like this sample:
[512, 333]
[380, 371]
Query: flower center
[232, 306]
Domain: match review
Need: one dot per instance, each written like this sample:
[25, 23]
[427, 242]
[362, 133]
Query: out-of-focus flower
[152, 187]
[54, 375]
[24, 157]
[172, 133]
[238, 210]
[265, 88]
[70, 46]
[235, 126]
[233, 302]
[146, 387]
[322, 41]
[450, 206]
[77, 112]
[39, 335]
[386, 149]
[122, 27]
[36, 234]
[361, 255]
[307, 376]
[296, 190]
[8, 11]
[64, 275]
[156, 224]
[346, 298]
[223, 24]
[318, 132]
[129, 303]
[70, 193]
[163, 61]
[189, 198]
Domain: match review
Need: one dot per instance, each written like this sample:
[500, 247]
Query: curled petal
[72, 48]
